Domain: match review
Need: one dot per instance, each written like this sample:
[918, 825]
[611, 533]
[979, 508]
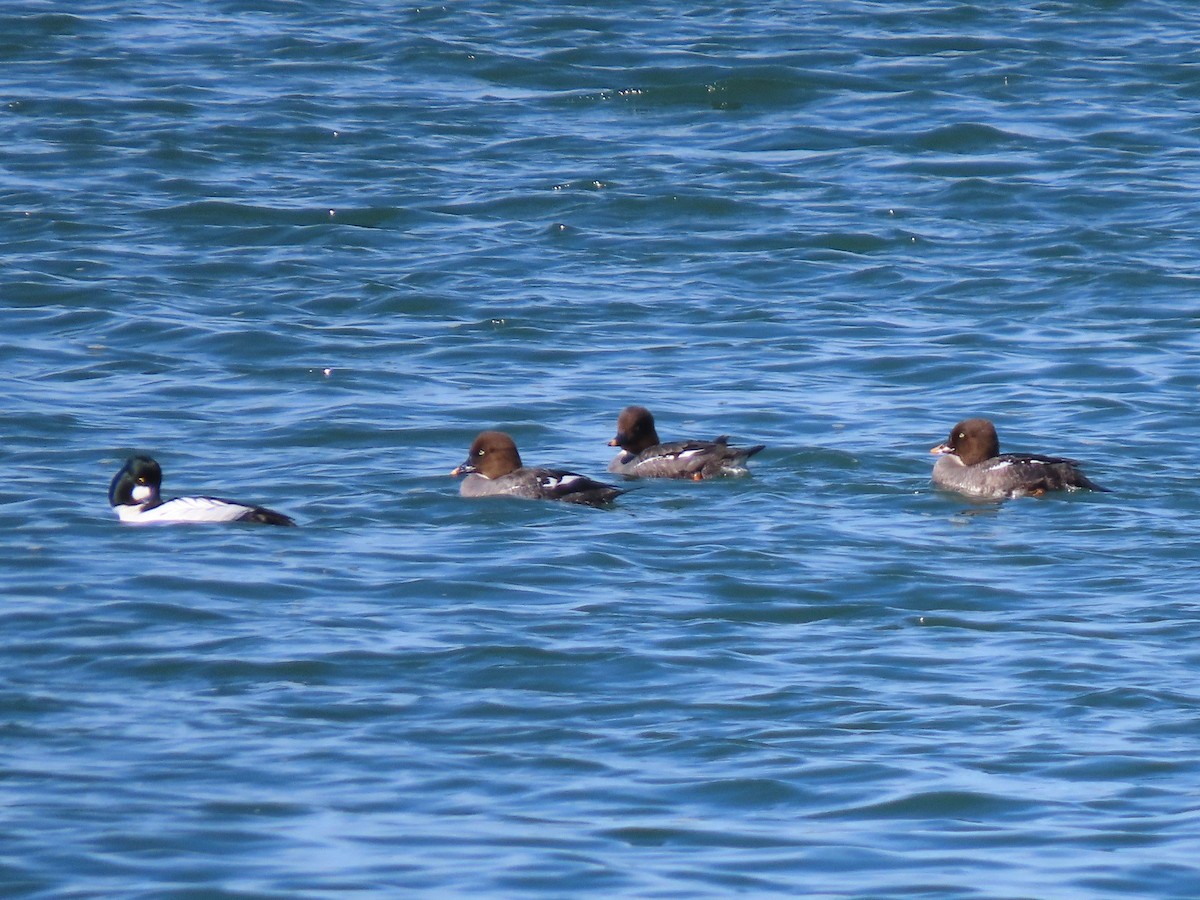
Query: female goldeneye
[971, 463]
[134, 495]
[493, 469]
[644, 456]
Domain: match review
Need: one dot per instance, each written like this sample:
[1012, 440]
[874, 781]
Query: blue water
[303, 252]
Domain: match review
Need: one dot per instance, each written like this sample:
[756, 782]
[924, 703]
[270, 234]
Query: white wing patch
[183, 510]
[1003, 464]
[555, 482]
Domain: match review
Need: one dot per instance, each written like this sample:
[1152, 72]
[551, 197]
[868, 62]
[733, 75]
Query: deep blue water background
[833, 227]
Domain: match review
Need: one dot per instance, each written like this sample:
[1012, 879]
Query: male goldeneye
[493, 469]
[971, 463]
[134, 495]
[644, 456]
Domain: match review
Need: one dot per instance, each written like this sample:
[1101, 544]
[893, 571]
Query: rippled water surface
[302, 253]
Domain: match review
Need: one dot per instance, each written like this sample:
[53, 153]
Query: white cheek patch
[141, 493]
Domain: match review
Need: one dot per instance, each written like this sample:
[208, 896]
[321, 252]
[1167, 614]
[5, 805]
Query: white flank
[183, 510]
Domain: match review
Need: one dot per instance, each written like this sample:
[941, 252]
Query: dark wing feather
[258, 514]
[571, 487]
[1046, 473]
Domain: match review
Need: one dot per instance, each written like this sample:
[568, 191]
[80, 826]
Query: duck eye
[479, 452]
